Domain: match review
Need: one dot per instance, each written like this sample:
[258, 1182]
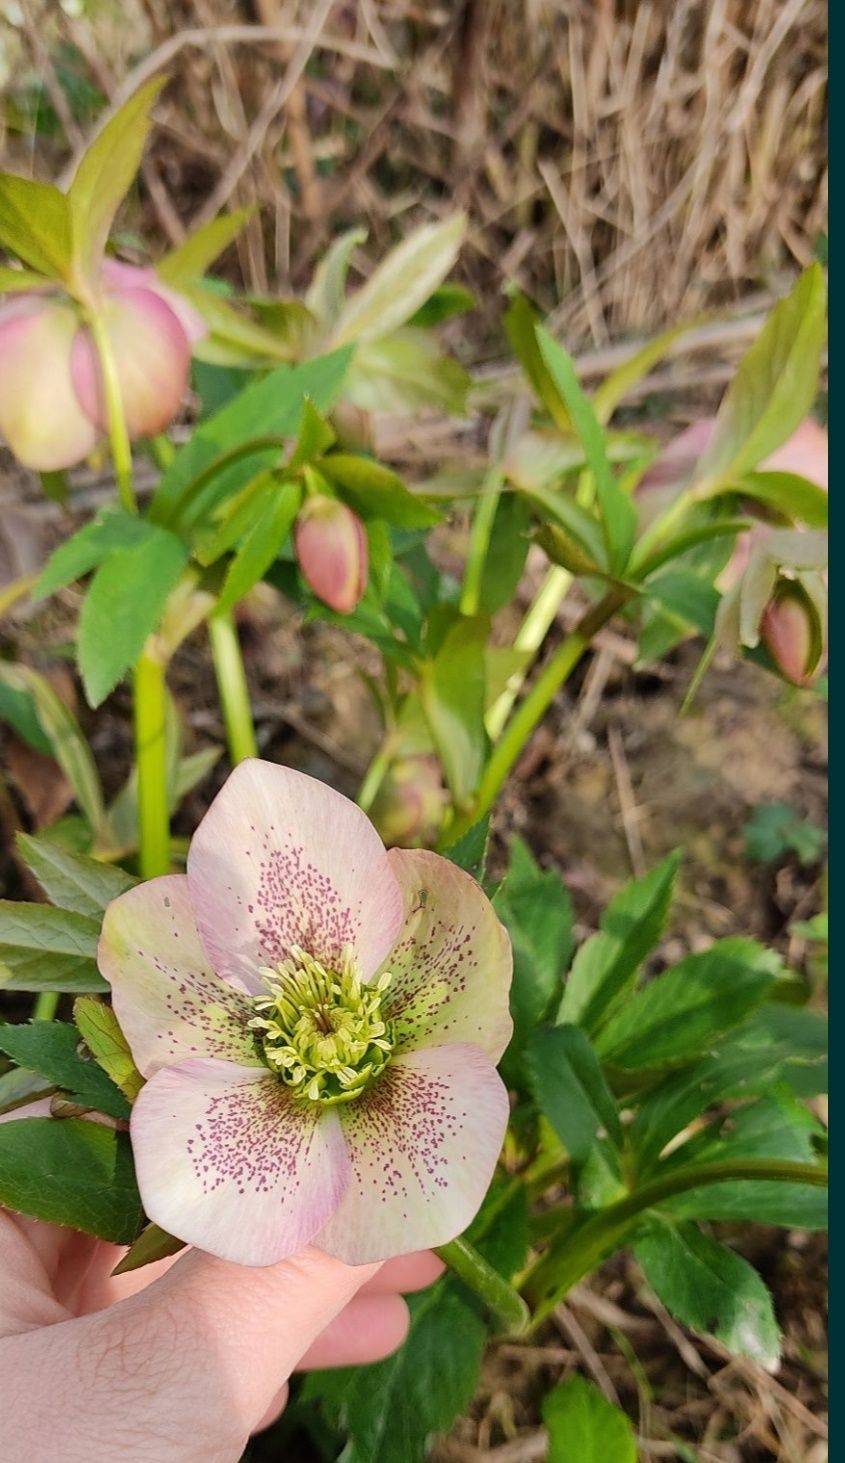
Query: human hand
[180, 1361]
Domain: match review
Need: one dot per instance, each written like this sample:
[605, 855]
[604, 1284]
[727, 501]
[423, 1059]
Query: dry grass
[626, 161]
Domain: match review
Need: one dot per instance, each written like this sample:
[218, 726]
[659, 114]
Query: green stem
[374, 777]
[549, 1280]
[479, 543]
[151, 759]
[121, 450]
[232, 686]
[521, 725]
[538, 621]
[487, 1283]
[46, 1006]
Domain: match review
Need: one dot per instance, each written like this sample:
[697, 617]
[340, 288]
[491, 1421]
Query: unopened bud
[408, 809]
[792, 631]
[331, 547]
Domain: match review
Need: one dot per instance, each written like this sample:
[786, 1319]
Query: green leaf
[152, 1244]
[20, 281]
[234, 338]
[315, 436]
[506, 553]
[99, 1028]
[51, 1049]
[390, 1410]
[565, 550]
[796, 497]
[615, 387]
[46, 949]
[105, 174]
[571, 1090]
[35, 225]
[376, 492]
[17, 710]
[66, 742]
[775, 830]
[584, 1427]
[618, 515]
[606, 965]
[327, 293]
[470, 851]
[521, 323]
[453, 696]
[401, 283]
[406, 372]
[270, 406]
[192, 258]
[686, 596]
[111, 529]
[774, 387]
[70, 1172]
[534, 907]
[18, 1087]
[446, 302]
[710, 1288]
[123, 606]
[578, 526]
[675, 1015]
[71, 880]
[755, 1201]
[260, 545]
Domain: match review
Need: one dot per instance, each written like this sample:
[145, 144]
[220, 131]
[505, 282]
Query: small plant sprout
[318, 1039]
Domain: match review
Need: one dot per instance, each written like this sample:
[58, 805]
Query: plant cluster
[296, 1039]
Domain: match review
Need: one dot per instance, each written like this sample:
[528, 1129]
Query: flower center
[322, 1031]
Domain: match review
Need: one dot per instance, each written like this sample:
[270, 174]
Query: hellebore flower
[331, 547]
[51, 401]
[318, 1021]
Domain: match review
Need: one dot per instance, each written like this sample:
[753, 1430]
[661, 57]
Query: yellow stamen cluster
[322, 1030]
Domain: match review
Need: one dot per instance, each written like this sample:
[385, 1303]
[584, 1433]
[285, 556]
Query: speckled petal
[452, 963]
[170, 1004]
[41, 417]
[279, 860]
[423, 1143]
[228, 1161]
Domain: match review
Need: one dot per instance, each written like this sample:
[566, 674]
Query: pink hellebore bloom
[789, 634]
[51, 402]
[331, 547]
[319, 1023]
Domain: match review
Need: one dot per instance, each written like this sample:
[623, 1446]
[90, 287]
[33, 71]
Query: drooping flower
[319, 1023]
[51, 401]
[331, 547]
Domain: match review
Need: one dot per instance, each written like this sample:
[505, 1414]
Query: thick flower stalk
[318, 1022]
[52, 401]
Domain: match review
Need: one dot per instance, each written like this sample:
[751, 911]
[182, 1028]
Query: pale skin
[181, 1360]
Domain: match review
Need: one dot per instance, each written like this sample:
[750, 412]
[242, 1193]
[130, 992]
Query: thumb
[251, 1326]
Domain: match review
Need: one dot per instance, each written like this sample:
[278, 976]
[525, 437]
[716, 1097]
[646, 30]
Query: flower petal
[152, 355]
[423, 1143]
[452, 963]
[279, 860]
[116, 276]
[228, 1161]
[170, 1004]
[40, 415]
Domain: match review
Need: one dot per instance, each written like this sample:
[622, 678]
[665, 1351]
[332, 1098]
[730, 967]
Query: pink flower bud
[331, 547]
[792, 633]
[408, 809]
